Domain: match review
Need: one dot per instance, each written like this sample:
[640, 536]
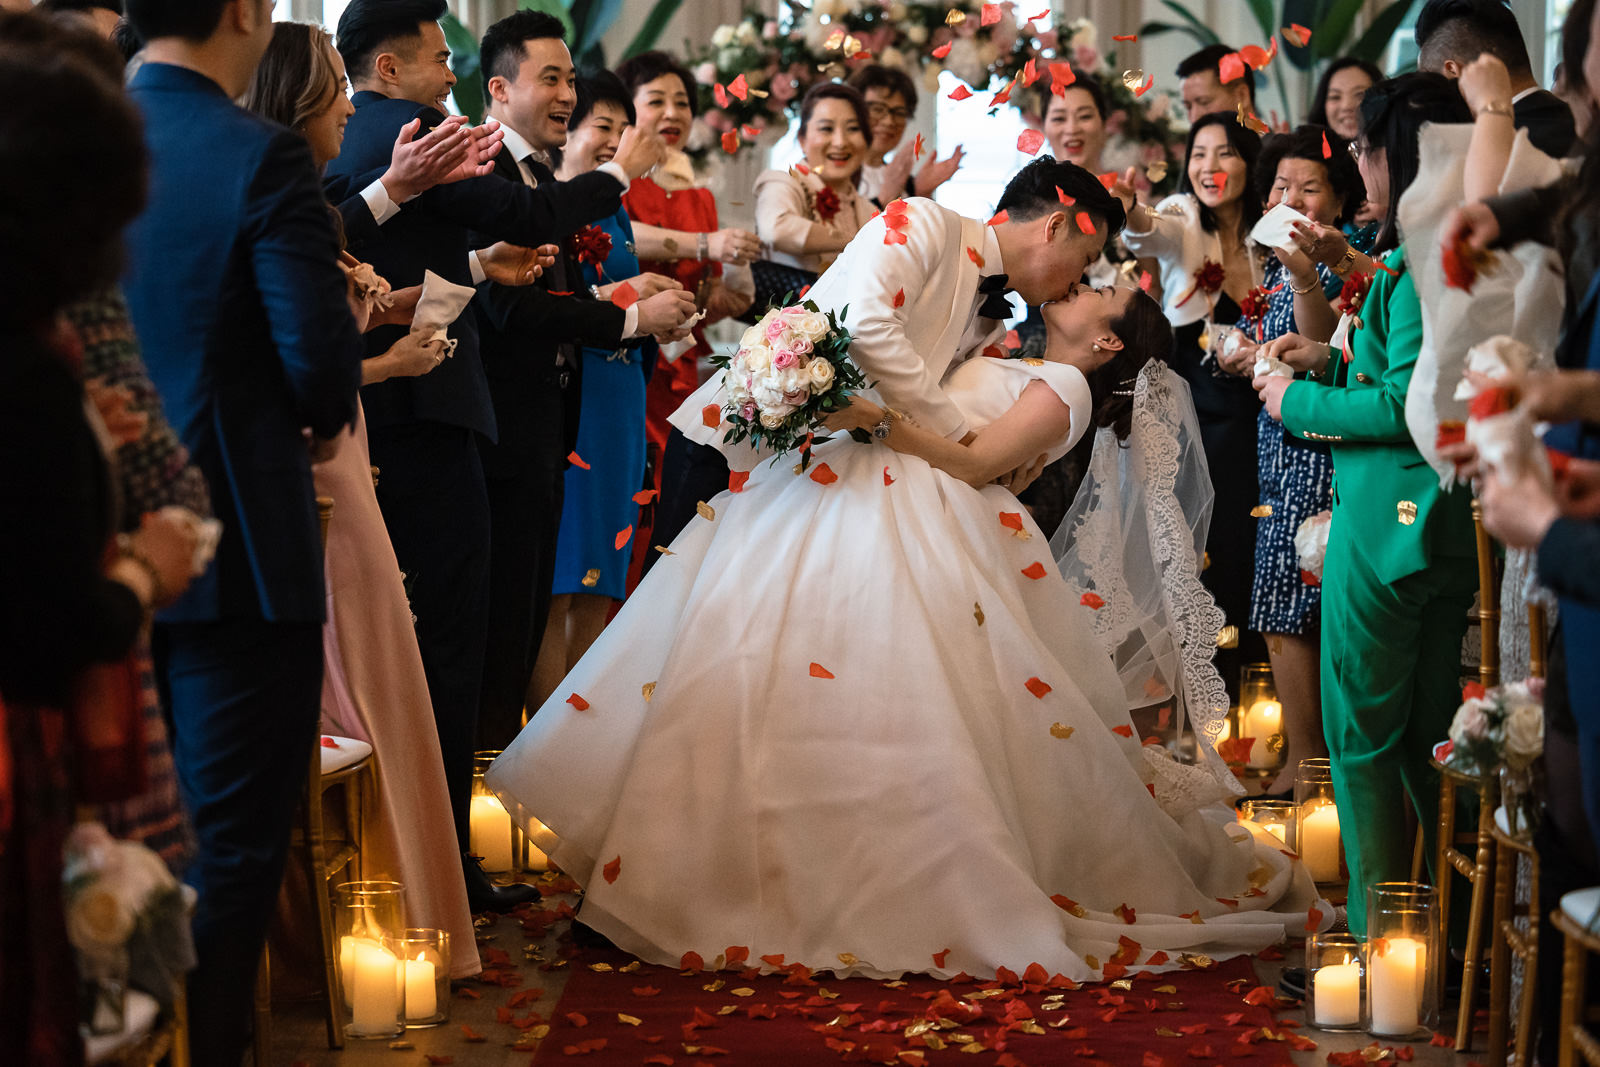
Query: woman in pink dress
[373, 689]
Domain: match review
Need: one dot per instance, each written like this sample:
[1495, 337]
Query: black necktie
[559, 278]
[995, 305]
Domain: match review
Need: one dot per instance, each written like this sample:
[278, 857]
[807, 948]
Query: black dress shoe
[484, 895]
[1292, 983]
[586, 936]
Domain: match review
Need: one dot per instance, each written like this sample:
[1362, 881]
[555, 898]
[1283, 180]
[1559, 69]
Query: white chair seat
[139, 1014]
[1582, 906]
[341, 752]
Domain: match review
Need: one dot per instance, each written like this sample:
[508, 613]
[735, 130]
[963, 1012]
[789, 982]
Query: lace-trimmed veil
[1135, 536]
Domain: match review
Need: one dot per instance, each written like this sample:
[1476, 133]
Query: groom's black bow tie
[995, 305]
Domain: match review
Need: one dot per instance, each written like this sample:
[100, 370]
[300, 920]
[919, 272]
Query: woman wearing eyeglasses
[891, 98]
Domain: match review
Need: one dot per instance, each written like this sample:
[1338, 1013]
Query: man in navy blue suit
[423, 432]
[235, 291]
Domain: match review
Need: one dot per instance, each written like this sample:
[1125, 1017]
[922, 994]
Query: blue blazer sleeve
[295, 257]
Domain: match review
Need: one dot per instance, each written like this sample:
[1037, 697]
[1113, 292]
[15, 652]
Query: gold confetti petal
[665, 551]
[1165, 989]
[727, 1009]
[1033, 362]
[1162, 1031]
[591, 578]
[401, 1046]
[1157, 173]
[977, 613]
[626, 968]
[1124, 985]
[1228, 637]
[1062, 730]
[848, 959]
[1195, 961]
[1261, 511]
[628, 1020]
[742, 991]
[706, 511]
[712, 987]
[540, 1032]
[1132, 79]
[1028, 1026]
[649, 690]
[954, 17]
[827, 994]
[601, 968]
[1093, 962]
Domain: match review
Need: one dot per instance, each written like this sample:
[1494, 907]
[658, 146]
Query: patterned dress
[1296, 482]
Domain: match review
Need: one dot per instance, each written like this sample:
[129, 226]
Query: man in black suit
[424, 431]
[1452, 33]
[234, 288]
[529, 339]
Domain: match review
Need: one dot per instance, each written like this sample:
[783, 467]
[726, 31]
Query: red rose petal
[1064, 198]
[819, 671]
[577, 1019]
[711, 416]
[1122, 731]
[1092, 600]
[739, 87]
[1255, 55]
[1145, 88]
[750, 132]
[644, 496]
[623, 536]
[989, 14]
[1327, 149]
[1011, 520]
[972, 254]
[736, 480]
[892, 236]
[1061, 76]
[1030, 72]
[960, 92]
[1085, 223]
[578, 702]
[624, 296]
[1451, 432]
[577, 461]
[1029, 141]
[692, 961]
[997, 218]
[1125, 37]
[888, 479]
[1037, 688]
[736, 954]
[943, 50]
[1473, 691]
[939, 958]
[900, 298]
[612, 869]
[720, 94]
[823, 474]
[1231, 68]
[1034, 570]
[730, 142]
[1490, 402]
[328, 742]
[917, 148]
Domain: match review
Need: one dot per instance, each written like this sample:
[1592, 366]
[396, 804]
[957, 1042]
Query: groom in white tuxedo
[926, 289]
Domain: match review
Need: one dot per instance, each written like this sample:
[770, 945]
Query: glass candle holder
[492, 838]
[369, 922]
[1261, 717]
[1335, 977]
[1404, 948]
[1317, 822]
[425, 972]
[1276, 817]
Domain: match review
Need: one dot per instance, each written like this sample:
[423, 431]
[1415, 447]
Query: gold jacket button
[1407, 512]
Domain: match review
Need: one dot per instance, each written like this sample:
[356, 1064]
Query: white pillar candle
[491, 833]
[422, 997]
[1276, 829]
[1263, 719]
[1336, 995]
[1397, 975]
[1319, 842]
[375, 993]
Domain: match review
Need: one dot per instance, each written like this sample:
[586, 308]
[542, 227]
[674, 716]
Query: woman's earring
[1097, 348]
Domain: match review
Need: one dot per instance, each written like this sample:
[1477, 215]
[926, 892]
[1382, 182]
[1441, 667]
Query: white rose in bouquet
[1471, 724]
[821, 373]
[722, 36]
[747, 34]
[811, 325]
[754, 335]
[773, 419]
[757, 358]
[1524, 734]
[1084, 35]
[767, 394]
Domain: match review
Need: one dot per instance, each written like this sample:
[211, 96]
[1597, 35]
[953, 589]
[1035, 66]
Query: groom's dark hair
[1047, 185]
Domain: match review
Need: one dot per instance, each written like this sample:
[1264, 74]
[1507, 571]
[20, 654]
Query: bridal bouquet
[792, 369]
[1503, 725]
[127, 920]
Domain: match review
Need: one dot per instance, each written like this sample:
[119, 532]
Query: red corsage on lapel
[1208, 279]
[825, 203]
[592, 245]
[1351, 297]
[1257, 302]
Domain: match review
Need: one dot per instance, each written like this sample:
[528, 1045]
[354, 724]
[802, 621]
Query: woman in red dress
[676, 233]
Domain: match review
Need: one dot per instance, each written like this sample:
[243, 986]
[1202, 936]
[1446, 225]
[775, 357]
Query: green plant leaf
[1196, 26]
[591, 19]
[1262, 10]
[558, 8]
[1372, 43]
[466, 63]
[1328, 38]
[651, 28]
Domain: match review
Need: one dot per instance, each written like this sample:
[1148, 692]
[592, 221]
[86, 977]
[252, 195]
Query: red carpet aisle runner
[616, 1010]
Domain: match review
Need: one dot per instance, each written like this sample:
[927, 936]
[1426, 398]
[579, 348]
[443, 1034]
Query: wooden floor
[299, 1037]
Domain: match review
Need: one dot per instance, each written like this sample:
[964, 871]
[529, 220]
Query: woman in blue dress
[602, 494]
[1320, 180]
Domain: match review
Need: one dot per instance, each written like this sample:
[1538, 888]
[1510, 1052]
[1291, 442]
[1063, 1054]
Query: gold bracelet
[1297, 291]
[1496, 107]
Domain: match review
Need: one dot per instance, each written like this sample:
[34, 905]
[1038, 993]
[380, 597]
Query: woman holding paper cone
[1199, 237]
[1400, 568]
[1319, 179]
[374, 688]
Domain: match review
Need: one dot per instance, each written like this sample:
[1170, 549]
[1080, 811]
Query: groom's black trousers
[690, 473]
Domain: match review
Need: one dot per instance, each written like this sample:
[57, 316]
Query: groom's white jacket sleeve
[905, 350]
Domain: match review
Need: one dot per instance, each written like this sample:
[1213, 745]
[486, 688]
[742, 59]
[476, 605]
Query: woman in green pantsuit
[1400, 568]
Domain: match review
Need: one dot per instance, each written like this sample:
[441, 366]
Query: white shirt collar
[1517, 99]
[990, 251]
[519, 147]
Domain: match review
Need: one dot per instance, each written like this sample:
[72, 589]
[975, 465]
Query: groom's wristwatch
[880, 432]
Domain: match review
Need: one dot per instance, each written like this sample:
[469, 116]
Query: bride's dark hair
[1145, 334]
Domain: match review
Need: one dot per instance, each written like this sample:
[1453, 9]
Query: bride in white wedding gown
[859, 721]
